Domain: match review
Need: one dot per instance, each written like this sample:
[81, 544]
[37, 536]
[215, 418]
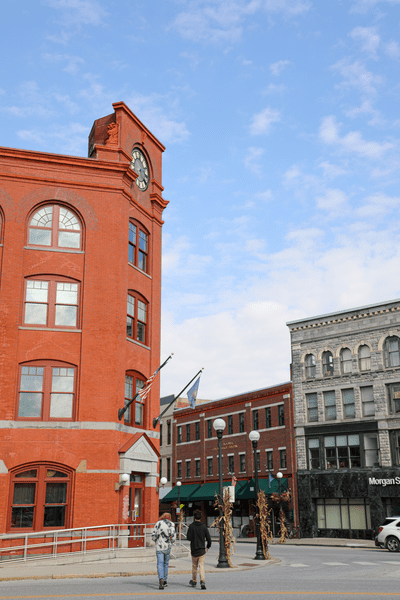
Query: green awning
[185, 495]
[208, 490]
[248, 491]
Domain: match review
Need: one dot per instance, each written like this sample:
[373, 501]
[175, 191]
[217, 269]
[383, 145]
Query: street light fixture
[254, 436]
[219, 426]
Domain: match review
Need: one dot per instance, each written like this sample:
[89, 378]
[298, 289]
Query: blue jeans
[162, 564]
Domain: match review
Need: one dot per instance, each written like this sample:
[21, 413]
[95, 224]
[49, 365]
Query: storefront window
[343, 513]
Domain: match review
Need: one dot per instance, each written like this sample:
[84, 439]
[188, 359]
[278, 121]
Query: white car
[389, 534]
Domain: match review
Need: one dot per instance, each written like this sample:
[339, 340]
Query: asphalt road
[299, 573]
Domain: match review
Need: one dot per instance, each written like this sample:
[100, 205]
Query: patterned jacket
[164, 535]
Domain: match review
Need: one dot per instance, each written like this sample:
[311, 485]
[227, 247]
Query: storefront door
[136, 499]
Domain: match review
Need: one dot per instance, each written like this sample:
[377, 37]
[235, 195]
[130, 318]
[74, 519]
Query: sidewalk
[124, 566]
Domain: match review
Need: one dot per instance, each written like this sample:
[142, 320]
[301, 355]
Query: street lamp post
[254, 436]
[178, 510]
[279, 476]
[219, 426]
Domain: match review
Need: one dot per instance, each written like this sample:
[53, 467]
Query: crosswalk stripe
[366, 564]
[336, 564]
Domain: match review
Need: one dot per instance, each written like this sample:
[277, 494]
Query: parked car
[389, 534]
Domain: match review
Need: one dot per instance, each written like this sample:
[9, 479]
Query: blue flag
[270, 479]
[192, 393]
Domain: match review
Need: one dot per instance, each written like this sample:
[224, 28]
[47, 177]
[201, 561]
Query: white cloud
[70, 139]
[353, 141]
[356, 76]
[264, 196]
[72, 62]
[79, 12]
[378, 205]
[152, 110]
[288, 7]
[369, 39]
[277, 67]
[261, 122]
[363, 6]
[334, 202]
[252, 159]
[224, 20]
[366, 108]
[332, 171]
[392, 49]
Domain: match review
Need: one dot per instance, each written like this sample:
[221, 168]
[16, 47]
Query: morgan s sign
[384, 482]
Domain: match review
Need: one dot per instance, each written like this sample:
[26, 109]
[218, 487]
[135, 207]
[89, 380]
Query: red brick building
[195, 451]
[80, 283]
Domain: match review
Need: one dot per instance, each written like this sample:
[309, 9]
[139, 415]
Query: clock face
[139, 165]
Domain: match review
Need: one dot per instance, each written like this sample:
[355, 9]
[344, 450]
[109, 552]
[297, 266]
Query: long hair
[165, 516]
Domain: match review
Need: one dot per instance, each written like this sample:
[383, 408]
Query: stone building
[346, 393]
[80, 295]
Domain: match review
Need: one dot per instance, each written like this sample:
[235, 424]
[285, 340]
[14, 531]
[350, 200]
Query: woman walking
[164, 536]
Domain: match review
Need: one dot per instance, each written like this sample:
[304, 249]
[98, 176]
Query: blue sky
[282, 124]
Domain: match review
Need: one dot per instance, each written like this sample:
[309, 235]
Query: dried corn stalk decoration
[225, 521]
[284, 531]
[265, 529]
[180, 521]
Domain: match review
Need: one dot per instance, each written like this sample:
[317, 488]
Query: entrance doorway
[136, 499]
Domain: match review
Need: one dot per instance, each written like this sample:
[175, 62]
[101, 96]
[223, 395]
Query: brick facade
[201, 451]
[87, 444]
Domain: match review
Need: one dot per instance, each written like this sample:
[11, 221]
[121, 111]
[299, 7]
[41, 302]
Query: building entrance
[136, 499]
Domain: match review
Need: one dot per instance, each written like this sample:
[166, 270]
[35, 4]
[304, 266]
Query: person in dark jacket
[200, 542]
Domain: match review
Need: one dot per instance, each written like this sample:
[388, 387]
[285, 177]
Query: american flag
[144, 392]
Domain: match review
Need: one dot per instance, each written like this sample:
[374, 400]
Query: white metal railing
[59, 543]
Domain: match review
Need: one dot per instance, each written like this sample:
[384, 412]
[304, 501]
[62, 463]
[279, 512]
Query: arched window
[310, 366]
[364, 358]
[40, 497]
[137, 317]
[47, 391]
[51, 302]
[55, 226]
[138, 253]
[134, 415]
[391, 349]
[327, 363]
[345, 360]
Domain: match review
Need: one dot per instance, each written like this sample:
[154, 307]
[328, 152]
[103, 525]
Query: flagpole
[122, 410]
[156, 420]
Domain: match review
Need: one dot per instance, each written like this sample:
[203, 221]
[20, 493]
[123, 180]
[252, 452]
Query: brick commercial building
[195, 451]
[80, 260]
[346, 392]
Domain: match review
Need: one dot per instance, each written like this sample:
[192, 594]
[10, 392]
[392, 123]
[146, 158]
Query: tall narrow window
[241, 422]
[134, 415]
[179, 434]
[313, 453]
[327, 363]
[348, 404]
[55, 226]
[51, 303]
[310, 366]
[364, 358]
[281, 415]
[367, 399]
[197, 430]
[270, 460]
[40, 498]
[242, 463]
[168, 469]
[330, 405]
[255, 419]
[179, 469]
[345, 360]
[282, 457]
[268, 419]
[136, 320]
[392, 351]
[168, 432]
[138, 251]
[46, 392]
[209, 428]
[188, 432]
[209, 466]
[312, 407]
[231, 464]
[230, 424]
[197, 467]
[188, 469]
